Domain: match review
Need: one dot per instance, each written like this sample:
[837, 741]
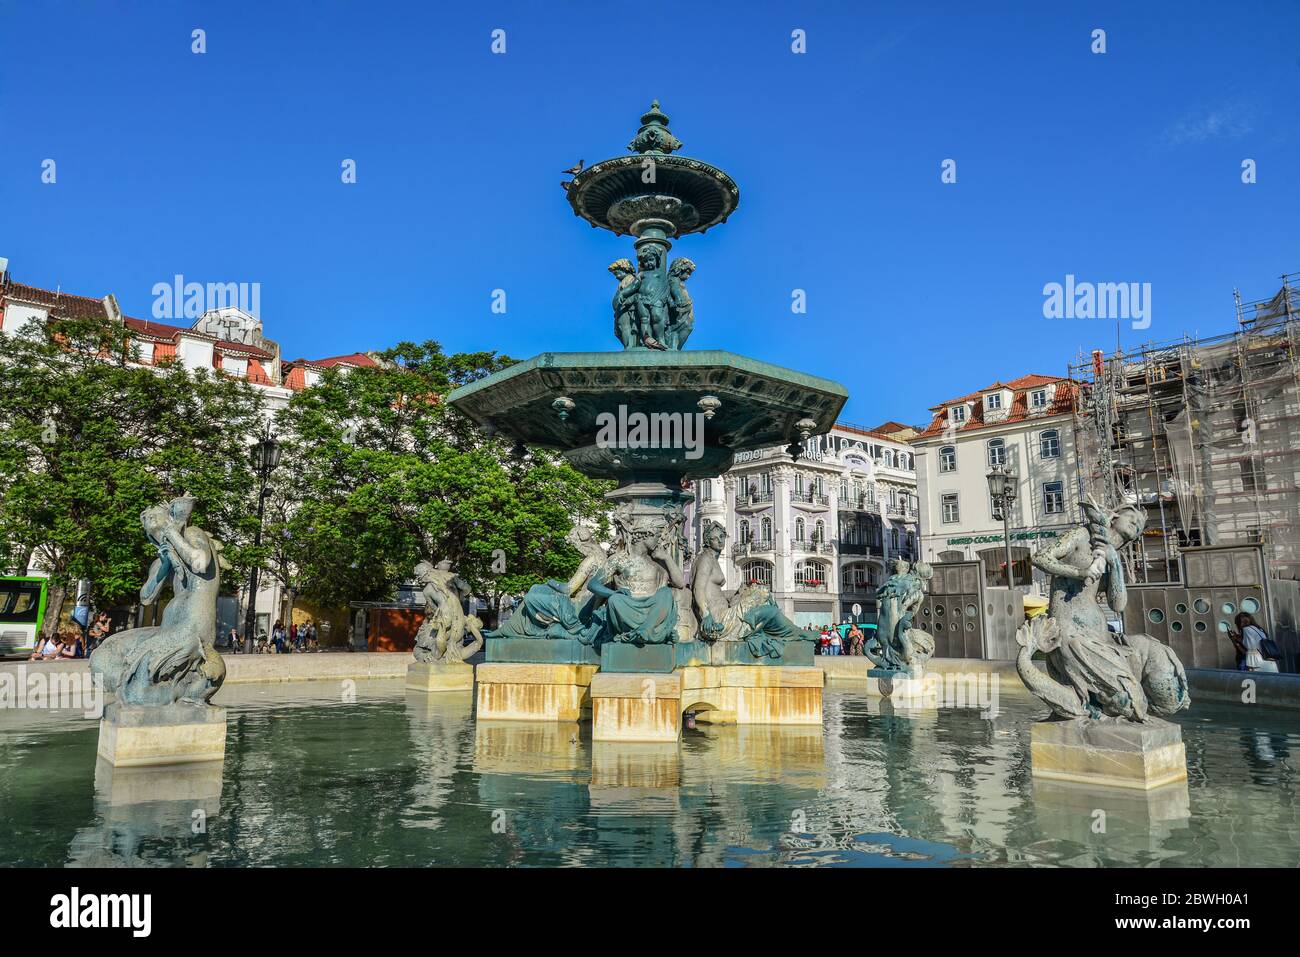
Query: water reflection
[380, 777]
[138, 808]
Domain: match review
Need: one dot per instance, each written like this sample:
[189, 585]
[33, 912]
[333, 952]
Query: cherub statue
[680, 307]
[624, 310]
[896, 645]
[441, 636]
[750, 615]
[1090, 672]
[176, 661]
[650, 297]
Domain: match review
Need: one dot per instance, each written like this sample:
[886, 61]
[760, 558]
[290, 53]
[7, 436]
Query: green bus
[22, 609]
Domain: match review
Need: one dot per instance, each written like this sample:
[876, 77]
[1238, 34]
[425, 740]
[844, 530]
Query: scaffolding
[1203, 432]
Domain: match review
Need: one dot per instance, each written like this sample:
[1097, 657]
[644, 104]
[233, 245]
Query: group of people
[66, 644]
[281, 641]
[76, 642]
[846, 638]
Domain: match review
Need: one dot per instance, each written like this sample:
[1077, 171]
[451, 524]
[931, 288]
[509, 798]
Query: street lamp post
[265, 456]
[1002, 488]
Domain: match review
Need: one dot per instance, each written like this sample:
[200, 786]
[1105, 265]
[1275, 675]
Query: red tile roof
[60, 303]
[353, 359]
[891, 426]
[1063, 401]
[154, 330]
[168, 333]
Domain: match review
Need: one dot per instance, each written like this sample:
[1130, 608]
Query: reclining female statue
[750, 616]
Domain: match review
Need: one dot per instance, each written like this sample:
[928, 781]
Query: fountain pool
[398, 779]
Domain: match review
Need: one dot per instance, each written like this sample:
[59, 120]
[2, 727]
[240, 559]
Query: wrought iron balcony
[823, 547]
[810, 498]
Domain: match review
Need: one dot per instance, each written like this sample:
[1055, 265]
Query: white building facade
[820, 530]
[1025, 426]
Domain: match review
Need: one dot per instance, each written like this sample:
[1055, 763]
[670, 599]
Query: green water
[387, 779]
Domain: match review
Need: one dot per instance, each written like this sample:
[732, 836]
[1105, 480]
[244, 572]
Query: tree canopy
[379, 473]
[88, 440]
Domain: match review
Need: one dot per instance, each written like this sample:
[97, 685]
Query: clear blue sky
[226, 167]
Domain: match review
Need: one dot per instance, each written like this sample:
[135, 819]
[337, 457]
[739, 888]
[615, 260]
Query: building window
[745, 536]
[798, 530]
[993, 400]
[819, 531]
[767, 483]
[810, 574]
[871, 495]
[997, 452]
[1053, 498]
[1049, 444]
[957, 413]
[1038, 399]
[758, 573]
[767, 531]
[948, 458]
[951, 511]
[896, 541]
[706, 490]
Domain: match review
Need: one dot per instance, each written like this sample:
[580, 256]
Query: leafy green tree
[88, 440]
[379, 473]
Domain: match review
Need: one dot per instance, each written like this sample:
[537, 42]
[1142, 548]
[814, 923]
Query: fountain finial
[654, 135]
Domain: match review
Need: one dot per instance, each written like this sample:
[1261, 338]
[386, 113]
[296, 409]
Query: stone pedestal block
[743, 694]
[431, 676]
[1110, 753]
[622, 658]
[135, 736]
[533, 692]
[636, 707]
[552, 651]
